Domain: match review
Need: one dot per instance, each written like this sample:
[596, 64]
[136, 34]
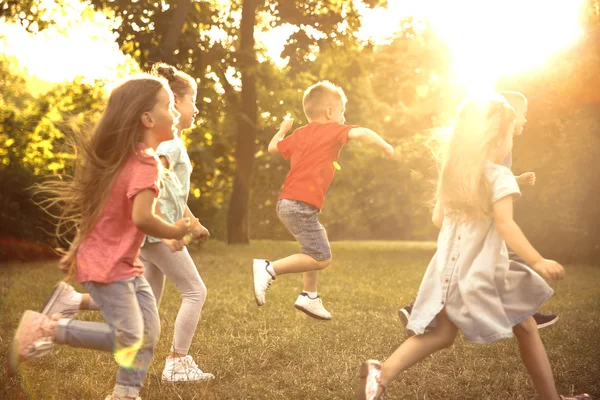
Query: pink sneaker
[34, 334]
[370, 386]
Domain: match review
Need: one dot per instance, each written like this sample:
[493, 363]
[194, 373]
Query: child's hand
[528, 178]
[388, 150]
[183, 227]
[173, 245]
[199, 232]
[286, 125]
[549, 269]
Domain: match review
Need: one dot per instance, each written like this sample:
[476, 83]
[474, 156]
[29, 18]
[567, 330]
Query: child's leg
[535, 359]
[129, 307]
[152, 273]
[310, 281]
[416, 348]
[131, 377]
[302, 221]
[180, 269]
[131, 333]
[299, 263]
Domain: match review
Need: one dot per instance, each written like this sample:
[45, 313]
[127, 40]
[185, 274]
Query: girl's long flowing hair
[481, 126]
[99, 157]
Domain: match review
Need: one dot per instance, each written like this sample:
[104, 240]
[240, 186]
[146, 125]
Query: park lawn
[276, 352]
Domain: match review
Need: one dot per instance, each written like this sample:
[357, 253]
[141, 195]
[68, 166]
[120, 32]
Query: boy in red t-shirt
[313, 151]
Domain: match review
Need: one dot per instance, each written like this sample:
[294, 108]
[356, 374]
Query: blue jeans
[131, 331]
[302, 220]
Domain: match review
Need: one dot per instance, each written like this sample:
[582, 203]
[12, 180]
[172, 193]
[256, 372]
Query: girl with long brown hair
[110, 203]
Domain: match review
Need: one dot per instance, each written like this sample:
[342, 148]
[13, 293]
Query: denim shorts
[302, 220]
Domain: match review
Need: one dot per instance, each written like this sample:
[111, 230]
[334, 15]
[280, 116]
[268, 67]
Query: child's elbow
[141, 221]
[437, 221]
[273, 150]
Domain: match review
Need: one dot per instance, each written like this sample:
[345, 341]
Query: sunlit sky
[487, 39]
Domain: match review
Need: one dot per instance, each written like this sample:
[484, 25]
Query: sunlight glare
[487, 39]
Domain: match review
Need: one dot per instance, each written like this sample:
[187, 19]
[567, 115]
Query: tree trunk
[170, 41]
[237, 217]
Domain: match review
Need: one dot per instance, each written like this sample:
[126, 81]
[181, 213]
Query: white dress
[470, 275]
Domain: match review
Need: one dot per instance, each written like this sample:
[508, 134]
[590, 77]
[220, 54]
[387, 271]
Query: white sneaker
[262, 280]
[184, 369]
[312, 307]
[64, 300]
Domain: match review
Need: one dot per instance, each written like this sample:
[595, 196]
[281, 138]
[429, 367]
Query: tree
[32, 138]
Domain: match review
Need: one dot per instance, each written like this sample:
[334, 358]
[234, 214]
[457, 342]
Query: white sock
[312, 295]
[270, 269]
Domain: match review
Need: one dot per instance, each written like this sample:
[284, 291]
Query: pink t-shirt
[111, 250]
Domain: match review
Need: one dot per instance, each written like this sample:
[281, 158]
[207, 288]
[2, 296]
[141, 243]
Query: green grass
[276, 352]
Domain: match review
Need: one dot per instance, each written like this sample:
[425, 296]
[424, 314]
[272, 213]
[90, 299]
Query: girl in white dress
[468, 285]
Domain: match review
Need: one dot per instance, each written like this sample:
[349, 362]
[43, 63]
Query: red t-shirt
[111, 249]
[313, 149]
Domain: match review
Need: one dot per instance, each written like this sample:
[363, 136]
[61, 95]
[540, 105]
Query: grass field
[276, 352]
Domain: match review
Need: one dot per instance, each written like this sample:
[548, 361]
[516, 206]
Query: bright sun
[487, 39]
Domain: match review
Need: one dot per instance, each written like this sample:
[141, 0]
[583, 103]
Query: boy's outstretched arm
[286, 125]
[367, 136]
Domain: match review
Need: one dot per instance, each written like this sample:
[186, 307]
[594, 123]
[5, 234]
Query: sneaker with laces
[184, 369]
[64, 300]
[370, 386]
[262, 280]
[312, 307]
[544, 320]
[34, 334]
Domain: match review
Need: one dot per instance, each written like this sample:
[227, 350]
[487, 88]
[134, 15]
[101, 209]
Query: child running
[313, 151]
[468, 285]
[110, 203]
[519, 103]
[165, 257]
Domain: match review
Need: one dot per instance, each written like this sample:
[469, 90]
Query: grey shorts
[302, 220]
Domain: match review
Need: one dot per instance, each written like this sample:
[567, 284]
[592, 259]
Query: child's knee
[322, 264]
[525, 328]
[130, 337]
[196, 294]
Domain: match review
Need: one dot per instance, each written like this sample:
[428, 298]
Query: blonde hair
[98, 160]
[179, 82]
[319, 96]
[481, 126]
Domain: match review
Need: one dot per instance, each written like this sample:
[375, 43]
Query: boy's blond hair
[319, 96]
